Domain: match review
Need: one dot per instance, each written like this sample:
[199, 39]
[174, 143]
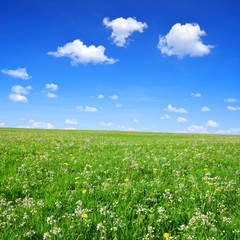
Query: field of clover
[62, 184]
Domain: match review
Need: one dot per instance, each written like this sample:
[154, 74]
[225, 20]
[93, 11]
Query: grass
[57, 184]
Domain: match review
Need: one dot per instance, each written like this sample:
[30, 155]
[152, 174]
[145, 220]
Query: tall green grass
[57, 184]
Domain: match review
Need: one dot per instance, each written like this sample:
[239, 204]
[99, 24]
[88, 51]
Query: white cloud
[44, 125]
[118, 105]
[71, 121]
[18, 73]
[51, 86]
[70, 128]
[197, 129]
[51, 95]
[233, 108]
[230, 131]
[122, 127]
[184, 40]
[2, 124]
[166, 116]
[205, 109]
[181, 119]
[231, 100]
[17, 98]
[83, 54]
[170, 108]
[123, 28]
[197, 95]
[130, 129]
[114, 97]
[87, 109]
[135, 120]
[106, 124]
[211, 123]
[100, 96]
[21, 90]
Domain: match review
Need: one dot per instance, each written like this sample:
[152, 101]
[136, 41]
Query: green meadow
[63, 184]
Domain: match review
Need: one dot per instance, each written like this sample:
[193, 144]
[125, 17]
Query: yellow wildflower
[76, 182]
[84, 191]
[210, 184]
[155, 169]
[166, 235]
[76, 178]
[126, 179]
[10, 202]
[83, 215]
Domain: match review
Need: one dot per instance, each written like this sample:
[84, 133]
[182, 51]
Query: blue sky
[166, 66]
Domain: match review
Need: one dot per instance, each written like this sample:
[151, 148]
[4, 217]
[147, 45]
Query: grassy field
[58, 184]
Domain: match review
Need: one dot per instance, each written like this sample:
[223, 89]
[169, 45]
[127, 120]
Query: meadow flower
[76, 182]
[126, 179]
[83, 215]
[210, 184]
[166, 235]
[84, 191]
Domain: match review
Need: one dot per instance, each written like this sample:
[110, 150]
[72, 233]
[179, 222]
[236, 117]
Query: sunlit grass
[118, 185]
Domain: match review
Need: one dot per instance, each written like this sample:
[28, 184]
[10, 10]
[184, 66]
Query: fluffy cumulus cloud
[44, 125]
[229, 131]
[86, 109]
[211, 123]
[196, 129]
[233, 108]
[71, 121]
[205, 109]
[100, 96]
[118, 105]
[166, 116]
[17, 73]
[135, 120]
[123, 28]
[181, 119]
[170, 108]
[18, 93]
[80, 53]
[106, 124]
[183, 40]
[21, 90]
[113, 97]
[17, 98]
[230, 100]
[197, 95]
[51, 86]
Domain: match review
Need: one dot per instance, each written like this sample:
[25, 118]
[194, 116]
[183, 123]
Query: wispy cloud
[86, 109]
[71, 121]
[233, 108]
[106, 124]
[205, 109]
[100, 96]
[17, 73]
[114, 97]
[166, 116]
[230, 100]
[181, 119]
[197, 95]
[170, 108]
